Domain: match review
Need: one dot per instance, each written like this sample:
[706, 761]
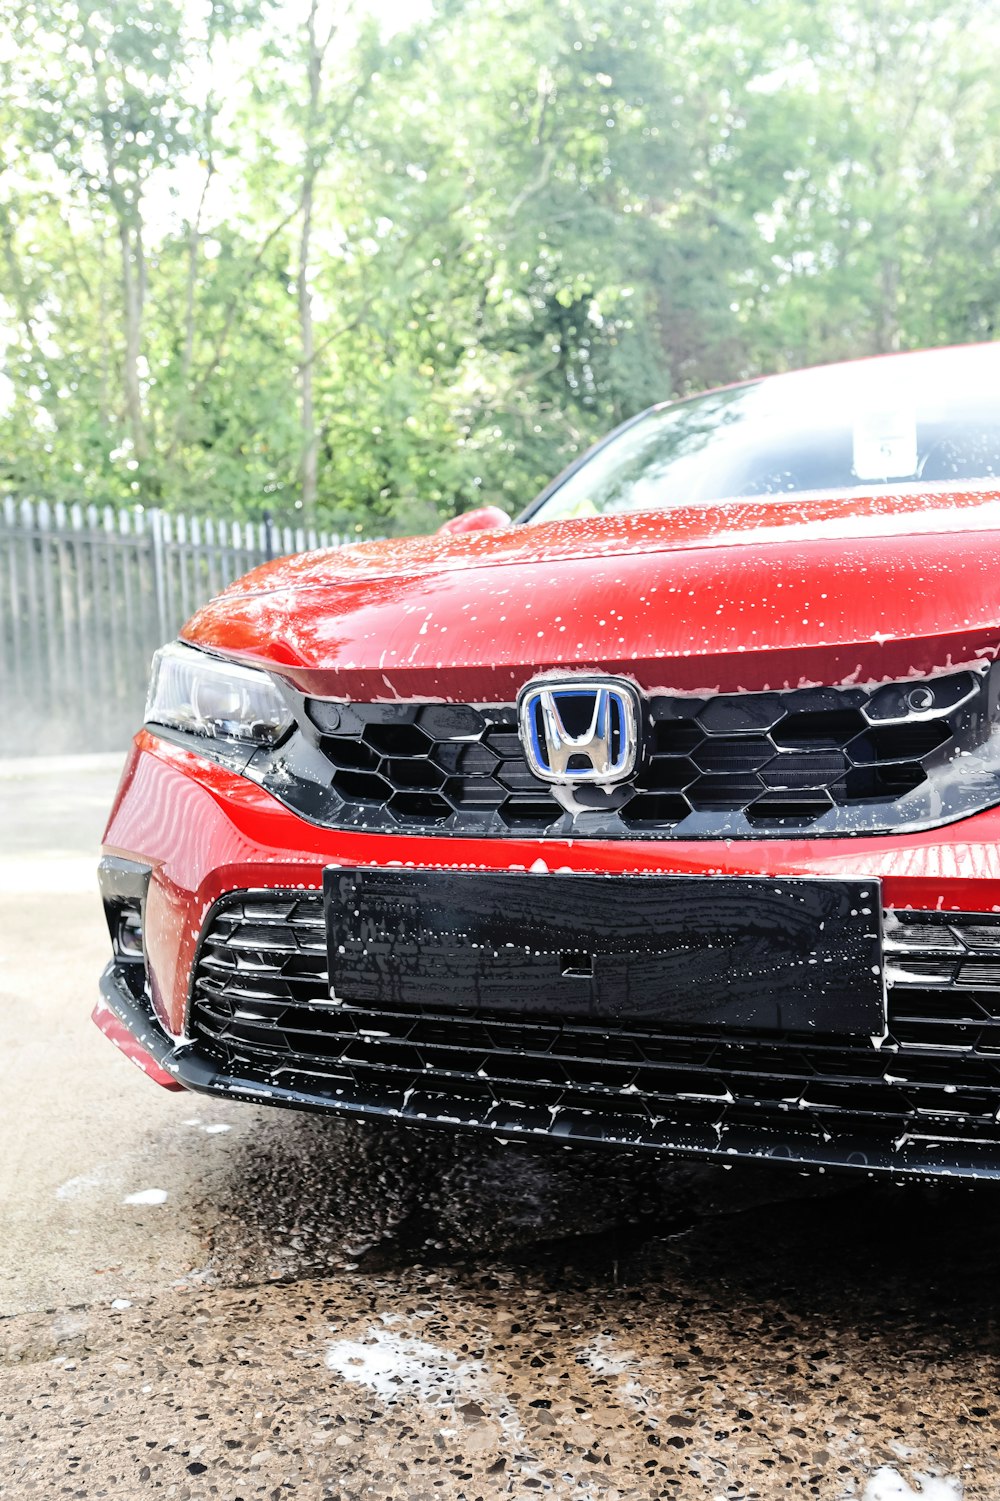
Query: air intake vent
[261, 1007]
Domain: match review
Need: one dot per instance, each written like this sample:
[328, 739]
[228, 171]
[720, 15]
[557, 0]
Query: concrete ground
[201, 1300]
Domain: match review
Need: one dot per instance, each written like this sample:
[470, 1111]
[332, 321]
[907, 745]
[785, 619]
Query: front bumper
[211, 838]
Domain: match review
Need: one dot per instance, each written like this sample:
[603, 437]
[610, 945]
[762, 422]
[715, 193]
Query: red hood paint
[744, 595]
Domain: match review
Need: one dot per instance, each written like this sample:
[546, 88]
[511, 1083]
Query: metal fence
[86, 597]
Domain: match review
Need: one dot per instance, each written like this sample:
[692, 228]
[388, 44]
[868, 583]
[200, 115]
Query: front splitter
[189, 1065]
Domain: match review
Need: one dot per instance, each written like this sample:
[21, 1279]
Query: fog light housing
[124, 884]
[128, 931]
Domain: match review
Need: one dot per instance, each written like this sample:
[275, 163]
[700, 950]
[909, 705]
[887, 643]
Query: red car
[665, 818]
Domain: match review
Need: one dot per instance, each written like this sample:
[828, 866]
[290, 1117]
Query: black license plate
[771, 955]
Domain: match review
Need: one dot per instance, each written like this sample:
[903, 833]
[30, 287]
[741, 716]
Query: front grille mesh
[812, 760]
[261, 1007]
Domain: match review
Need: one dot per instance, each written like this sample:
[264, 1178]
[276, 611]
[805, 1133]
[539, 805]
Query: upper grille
[819, 760]
[261, 1007]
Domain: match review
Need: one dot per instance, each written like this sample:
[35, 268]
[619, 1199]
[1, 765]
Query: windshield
[926, 418]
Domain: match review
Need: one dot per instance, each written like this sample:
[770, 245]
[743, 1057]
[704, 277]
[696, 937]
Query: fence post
[159, 574]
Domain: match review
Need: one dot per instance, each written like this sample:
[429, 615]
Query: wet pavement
[214, 1300]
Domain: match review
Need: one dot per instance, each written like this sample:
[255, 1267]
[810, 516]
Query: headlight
[189, 690]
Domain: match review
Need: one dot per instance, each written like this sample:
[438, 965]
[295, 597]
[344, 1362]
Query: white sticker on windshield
[885, 443]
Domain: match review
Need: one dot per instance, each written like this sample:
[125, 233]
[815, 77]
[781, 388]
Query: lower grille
[261, 1008]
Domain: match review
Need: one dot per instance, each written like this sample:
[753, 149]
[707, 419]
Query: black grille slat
[564, 1072]
[804, 761]
[833, 1097]
[935, 1078]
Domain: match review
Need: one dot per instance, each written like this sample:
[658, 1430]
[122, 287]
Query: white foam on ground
[74, 1187]
[147, 1196]
[397, 1366]
[605, 1357]
[394, 1365]
[886, 1484]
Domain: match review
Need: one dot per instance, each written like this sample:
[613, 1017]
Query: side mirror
[483, 519]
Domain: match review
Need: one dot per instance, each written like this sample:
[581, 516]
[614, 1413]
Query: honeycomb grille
[821, 760]
[427, 762]
[261, 1008]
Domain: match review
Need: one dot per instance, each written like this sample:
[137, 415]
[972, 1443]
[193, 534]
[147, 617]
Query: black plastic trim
[193, 1065]
[121, 879]
[123, 883]
[925, 786]
[955, 777]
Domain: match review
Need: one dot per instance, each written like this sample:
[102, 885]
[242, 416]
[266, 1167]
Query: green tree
[272, 253]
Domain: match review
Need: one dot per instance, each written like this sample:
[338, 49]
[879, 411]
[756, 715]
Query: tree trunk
[128, 217]
[310, 438]
[887, 332]
[132, 300]
[190, 308]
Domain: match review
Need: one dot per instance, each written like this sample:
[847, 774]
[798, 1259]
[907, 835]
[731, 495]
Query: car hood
[744, 595]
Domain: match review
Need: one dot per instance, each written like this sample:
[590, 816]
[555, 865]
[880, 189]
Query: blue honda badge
[580, 729]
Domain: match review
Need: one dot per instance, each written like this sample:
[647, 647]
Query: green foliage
[514, 224]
